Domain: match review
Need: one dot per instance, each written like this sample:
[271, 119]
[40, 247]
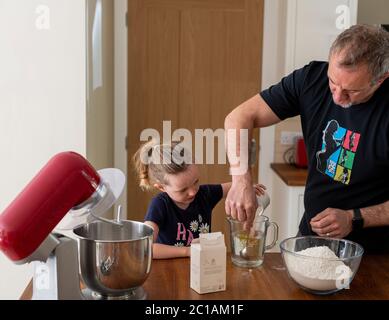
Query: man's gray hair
[364, 44]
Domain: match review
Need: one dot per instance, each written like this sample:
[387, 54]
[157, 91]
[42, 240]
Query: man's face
[350, 86]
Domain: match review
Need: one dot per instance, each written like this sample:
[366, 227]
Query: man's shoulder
[318, 63]
[314, 74]
[317, 67]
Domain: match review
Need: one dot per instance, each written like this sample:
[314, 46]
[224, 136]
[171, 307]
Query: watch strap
[357, 213]
[357, 220]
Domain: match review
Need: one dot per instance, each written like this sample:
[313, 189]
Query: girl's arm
[226, 187]
[258, 188]
[163, 251]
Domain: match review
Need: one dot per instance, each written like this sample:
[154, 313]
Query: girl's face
[183, 187]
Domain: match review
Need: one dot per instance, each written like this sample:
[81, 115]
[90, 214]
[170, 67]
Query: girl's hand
[197, 240]
[187, 252]
[259, 189]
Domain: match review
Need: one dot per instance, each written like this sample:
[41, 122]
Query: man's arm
[376, 216]
[254, 113]
[338, 223]
[259, 189]
[226, 188]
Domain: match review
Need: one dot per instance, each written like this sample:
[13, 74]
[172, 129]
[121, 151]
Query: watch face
[357, 223]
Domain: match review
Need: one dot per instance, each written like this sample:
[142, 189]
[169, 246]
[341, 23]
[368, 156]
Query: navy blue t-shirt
[179, 227]
[347, 148]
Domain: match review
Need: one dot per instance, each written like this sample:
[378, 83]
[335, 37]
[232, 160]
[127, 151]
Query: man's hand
[241, 202]
[335, 223]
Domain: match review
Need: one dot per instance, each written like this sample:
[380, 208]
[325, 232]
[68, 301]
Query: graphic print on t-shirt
[336, 157]
[186, 235]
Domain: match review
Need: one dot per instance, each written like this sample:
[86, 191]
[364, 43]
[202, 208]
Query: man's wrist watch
[357, 220]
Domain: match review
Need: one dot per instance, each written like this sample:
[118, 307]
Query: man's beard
[346, 106]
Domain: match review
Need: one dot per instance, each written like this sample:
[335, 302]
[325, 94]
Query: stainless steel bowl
[114, 260]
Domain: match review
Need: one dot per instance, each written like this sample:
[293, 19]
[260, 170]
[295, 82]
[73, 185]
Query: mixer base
[137, 294]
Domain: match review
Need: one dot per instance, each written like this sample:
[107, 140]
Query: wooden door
[190, 62]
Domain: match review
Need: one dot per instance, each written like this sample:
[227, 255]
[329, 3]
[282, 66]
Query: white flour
[322, 269]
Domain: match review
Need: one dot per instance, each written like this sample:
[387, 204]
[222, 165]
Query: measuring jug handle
[275, 237]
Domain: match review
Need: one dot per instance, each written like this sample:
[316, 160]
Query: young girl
[183, 209]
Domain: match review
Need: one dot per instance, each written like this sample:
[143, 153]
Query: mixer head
[67, 185]
[104, 198]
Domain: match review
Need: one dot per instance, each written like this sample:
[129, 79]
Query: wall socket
[289, 137]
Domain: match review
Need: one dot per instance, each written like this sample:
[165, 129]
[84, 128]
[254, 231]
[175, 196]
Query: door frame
[272, 14]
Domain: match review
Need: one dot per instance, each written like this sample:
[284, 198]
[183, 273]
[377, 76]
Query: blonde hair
[153, 161]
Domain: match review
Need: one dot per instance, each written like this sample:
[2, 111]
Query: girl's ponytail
[153, 161]
[142, 167]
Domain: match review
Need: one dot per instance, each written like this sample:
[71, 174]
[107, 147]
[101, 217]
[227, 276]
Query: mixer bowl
[114, 260]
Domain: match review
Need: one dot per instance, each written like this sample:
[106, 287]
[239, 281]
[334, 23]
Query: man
[344, 108]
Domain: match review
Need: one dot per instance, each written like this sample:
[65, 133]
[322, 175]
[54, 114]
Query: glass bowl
[321, 265]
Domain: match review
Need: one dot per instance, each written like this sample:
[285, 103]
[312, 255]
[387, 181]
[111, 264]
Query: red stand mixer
[69, 195]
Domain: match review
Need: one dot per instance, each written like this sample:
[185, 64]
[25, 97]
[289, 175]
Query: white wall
[272, 71]
[100, 83]
[42, 100]
[373, 11]
[120, 155]
[312, 26]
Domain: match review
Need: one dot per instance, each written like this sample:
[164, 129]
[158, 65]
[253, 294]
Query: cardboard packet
[208, 263]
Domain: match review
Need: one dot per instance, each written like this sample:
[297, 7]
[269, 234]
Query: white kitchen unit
[287, 200]
[288, 211]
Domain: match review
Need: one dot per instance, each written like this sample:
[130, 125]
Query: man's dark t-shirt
[347, 148]
[179, 227]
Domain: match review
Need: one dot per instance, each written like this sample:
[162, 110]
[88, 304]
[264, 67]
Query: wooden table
[169, 280]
